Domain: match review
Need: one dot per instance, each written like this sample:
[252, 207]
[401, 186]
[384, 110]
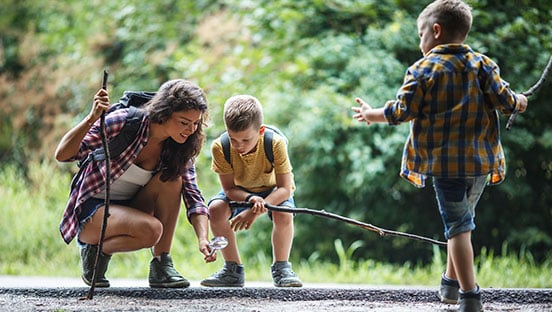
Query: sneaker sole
[181, 284]
[220, 285]
[290, 285]
[448, 300]
[97, 284]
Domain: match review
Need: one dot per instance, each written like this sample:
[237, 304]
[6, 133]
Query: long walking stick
[90, 294]
[530, 92]
[322, 213]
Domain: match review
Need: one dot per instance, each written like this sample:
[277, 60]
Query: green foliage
[306, 61]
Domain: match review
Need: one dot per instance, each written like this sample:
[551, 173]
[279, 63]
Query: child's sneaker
[448, 292]
[283, 275]
[471, 301]
[231, 275]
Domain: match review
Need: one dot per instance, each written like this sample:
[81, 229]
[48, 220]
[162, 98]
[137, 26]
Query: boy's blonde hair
[242, 111]
[454, 16]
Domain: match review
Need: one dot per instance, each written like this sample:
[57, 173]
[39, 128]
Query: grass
[31, 246]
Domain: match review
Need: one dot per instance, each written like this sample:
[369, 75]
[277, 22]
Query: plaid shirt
[92, 179]
[451, 97]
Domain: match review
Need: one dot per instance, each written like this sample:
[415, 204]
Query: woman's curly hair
[175, 96]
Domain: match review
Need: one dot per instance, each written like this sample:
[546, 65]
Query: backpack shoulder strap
[129, 132]
[225, 142]
[269, 152]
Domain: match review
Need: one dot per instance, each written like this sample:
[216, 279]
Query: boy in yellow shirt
[251, 177]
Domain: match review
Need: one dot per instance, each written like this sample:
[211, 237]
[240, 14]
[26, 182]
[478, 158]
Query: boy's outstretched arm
[365, 113]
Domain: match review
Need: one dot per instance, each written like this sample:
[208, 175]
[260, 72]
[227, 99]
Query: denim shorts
[457, 198]
[89, 207]
[290, 203]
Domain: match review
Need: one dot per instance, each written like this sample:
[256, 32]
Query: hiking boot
[88, 258]
[231, 275]
[283, 275]
[471, 301]
[162, 274]
[448, 292]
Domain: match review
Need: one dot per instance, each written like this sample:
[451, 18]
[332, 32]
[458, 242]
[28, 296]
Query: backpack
[117, 144]
[268, 135]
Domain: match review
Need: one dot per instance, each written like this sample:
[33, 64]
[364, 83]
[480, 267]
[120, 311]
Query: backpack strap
[268, 136]
[225, 142]
[129, 132]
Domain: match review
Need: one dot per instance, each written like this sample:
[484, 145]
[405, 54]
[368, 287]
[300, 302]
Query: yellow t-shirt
[253, 171]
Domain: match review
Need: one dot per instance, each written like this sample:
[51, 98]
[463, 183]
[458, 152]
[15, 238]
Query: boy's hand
[244, 220]
[361, 111]
[521, 104]
[258, 204]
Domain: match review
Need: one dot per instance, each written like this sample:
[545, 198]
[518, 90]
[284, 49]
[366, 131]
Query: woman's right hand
[99, 106]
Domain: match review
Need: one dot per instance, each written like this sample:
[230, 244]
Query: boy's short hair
[242, 111]
[454, 16]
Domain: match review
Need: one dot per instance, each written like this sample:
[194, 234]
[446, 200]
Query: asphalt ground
[67, 294]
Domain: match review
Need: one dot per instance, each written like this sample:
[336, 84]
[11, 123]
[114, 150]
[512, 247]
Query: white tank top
[126, 186]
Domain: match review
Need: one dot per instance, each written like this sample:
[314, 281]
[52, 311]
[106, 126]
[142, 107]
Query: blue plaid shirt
[92, 179]
[451, 97]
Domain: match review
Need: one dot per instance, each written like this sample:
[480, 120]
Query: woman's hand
[99, 106]
[206, 251]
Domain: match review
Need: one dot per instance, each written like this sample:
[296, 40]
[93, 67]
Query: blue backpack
[268, 136]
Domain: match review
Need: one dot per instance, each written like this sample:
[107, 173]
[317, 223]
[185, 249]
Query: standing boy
[451, 97]
[249, 176]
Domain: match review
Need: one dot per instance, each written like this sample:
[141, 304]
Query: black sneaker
[231, 275]
[448, 291]
[283, 275]
[471, 301]
[162, 274]
[88, 258]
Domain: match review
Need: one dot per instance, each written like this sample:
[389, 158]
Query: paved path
[65, 294]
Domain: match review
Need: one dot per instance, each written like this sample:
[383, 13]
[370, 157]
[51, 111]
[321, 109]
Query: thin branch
[530, 92]
[325, 214]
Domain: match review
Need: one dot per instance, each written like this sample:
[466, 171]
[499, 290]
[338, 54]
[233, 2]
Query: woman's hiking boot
[231, 275]
[88, 258]
[162, 274]
[448, 291]
[283, 275]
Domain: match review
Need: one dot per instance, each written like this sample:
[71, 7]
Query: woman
[147, 180]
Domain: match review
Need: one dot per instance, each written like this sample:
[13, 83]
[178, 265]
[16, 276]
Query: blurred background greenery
[306, 60]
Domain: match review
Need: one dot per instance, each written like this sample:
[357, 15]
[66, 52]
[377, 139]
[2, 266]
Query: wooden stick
[530, 92]
[325, 214]
[103, 136]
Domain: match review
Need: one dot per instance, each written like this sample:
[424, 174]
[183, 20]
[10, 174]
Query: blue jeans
[457, 198]
[236, 211]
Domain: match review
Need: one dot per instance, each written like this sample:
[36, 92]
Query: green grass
[31, 245]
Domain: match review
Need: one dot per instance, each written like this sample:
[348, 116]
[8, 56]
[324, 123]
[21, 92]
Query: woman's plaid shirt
[92, 180]
[451, 98]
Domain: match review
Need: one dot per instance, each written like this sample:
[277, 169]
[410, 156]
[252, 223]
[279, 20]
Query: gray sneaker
[448, 292]
[231, 275]
[283, 275]
[471, 301]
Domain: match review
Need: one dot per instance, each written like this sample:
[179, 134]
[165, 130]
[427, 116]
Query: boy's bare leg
[282, 235]
[460, 260]
[220, 226]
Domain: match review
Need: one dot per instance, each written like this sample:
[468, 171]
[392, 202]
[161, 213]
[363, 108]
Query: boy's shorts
[457, 198]
[290, 203]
